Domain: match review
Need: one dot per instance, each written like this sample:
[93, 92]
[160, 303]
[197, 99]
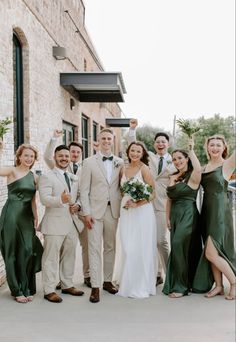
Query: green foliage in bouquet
[137, 190]
[3, 126]
[188, 127]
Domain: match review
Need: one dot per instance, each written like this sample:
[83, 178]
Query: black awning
[117, 122]
[94, 86]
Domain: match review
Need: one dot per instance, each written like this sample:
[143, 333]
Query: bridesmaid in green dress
[182, 219]
[216, 223]
[20, 247]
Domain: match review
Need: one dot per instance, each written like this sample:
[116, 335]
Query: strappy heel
[217, 291]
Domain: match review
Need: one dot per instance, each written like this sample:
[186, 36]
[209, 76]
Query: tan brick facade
[40, 25]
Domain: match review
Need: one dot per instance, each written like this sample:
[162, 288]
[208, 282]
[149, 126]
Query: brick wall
[40, 25]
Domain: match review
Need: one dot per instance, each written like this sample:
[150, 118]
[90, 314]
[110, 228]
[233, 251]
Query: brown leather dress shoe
[72, 291]
[53, 297]
[87, 282]
[159, 280]
[58, 287]
[94, 297]
[109, 287]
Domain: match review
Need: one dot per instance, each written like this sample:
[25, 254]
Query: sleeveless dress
[138, 249]
[20, 247]
[216, 222]
[186, 245]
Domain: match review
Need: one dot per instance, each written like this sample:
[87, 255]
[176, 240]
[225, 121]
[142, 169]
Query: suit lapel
[61, 178]
[155, 163]
[115, 170]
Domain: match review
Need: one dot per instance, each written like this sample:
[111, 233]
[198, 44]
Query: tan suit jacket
[48, 157]
[95, 190]
[57, 219]
[161, 180]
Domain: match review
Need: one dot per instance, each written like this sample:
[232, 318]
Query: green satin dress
[186, 245]
[20, 247]
[217, 223]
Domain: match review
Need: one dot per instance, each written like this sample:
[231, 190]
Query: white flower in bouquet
[137, 190]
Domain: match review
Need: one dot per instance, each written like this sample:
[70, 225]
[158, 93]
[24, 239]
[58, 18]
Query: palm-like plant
[3, 126]
[188, 127]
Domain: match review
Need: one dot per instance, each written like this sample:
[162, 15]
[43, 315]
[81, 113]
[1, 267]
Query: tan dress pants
[162, 241]
[59, 255]
[104, 230]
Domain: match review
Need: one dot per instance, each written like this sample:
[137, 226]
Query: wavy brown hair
[190, 166]
[20, 150]
[217, 137]
[145, 157]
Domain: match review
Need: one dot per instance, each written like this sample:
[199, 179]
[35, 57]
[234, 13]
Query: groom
[100, 197]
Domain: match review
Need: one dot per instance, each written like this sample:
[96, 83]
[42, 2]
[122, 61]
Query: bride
[137, 231]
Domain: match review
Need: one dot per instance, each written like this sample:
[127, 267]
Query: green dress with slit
[20, 247]
[186, 245]
[216, 222]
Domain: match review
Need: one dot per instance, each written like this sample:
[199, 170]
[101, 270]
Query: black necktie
[67, 181]
[107, 158]
[160, 165]
[75, 168]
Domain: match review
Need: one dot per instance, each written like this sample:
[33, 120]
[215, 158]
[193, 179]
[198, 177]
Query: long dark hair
[187, 173]
[145, 157]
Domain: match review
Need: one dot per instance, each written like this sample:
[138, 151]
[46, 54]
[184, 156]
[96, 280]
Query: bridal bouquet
[137, 190]
[188, 127]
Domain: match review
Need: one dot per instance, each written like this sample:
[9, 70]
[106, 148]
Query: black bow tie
[107, 158]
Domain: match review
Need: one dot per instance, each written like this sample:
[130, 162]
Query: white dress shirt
[108, 166]
[166, 158]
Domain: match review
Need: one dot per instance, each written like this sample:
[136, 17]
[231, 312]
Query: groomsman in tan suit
[161, 167]
[74, 167]
[58, 192]
[100, 197]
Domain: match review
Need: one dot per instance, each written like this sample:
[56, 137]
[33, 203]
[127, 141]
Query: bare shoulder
[145, 169]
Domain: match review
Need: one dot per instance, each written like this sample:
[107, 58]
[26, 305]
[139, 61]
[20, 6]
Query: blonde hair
[20, 150]
[217, 137]
[106, 130]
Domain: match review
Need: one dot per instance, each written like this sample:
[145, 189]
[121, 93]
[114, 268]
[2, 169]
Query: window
[18, 115]
[85, 65]
[85, 136]
[68, 133]
[95, 133]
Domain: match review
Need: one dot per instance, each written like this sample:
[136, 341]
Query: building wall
[40, 25]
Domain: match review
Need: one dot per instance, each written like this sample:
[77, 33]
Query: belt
[108, 203]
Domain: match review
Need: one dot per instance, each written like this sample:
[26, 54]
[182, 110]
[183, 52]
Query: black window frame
[85, 135]
[18, 92]
[68, 132]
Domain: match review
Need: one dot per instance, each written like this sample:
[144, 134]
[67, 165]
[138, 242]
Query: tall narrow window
[68, 133]
[85, 65]
[85, 136]
[95, 133]
[18, 92]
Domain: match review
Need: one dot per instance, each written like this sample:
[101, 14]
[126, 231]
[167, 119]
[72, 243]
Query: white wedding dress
[137, 229]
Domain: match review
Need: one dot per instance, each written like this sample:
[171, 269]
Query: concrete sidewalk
[156, 319]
